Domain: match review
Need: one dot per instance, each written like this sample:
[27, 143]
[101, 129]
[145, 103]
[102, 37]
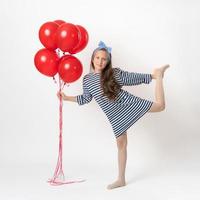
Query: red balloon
[59, 22]
[64, 57]
[70, 68]
[47, 35]
[83, 40]
[67, 37]
[46, 61]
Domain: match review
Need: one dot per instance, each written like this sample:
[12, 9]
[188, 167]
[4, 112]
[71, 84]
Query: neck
[97, 72]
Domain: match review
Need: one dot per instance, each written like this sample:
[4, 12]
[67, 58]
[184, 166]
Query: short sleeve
[132, 78]
[86, 97]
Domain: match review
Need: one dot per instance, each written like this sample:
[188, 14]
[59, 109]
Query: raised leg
[159, 104]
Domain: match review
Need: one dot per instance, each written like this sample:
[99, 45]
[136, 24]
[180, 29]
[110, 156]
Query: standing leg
[159, 104]
[122, 157]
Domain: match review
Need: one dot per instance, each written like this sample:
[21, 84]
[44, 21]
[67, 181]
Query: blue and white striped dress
[127, 108]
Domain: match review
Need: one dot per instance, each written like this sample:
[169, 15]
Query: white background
[163, 148]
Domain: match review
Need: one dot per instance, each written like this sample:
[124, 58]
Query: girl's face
[100, 60]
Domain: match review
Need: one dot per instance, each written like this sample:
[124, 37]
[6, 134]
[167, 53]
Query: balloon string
[64, 85]
[59, 171]
[54, 79]
[59, 177]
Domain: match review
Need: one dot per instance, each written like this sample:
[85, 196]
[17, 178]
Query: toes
[165, 67]
[115, 185]
[109, 187]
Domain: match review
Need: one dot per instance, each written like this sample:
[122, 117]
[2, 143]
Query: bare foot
[116, 184]
[159, 72]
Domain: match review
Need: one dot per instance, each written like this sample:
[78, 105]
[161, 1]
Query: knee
[157, 107]
[162, 107]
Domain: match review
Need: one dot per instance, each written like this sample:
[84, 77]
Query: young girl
[122, 109]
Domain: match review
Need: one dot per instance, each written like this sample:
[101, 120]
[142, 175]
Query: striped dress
[127, 108]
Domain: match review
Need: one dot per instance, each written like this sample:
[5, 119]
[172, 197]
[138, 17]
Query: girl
[122, 109]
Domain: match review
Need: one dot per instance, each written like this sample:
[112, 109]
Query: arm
[68, 98]
[82, 99]
[86, 97]
[132, 78]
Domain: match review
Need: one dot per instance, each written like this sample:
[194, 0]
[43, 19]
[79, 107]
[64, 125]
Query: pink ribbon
[59, 177]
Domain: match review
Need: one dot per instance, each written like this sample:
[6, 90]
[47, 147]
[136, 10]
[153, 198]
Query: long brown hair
[109, 85]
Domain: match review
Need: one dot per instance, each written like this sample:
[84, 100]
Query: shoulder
[86, 77]
[117, 70]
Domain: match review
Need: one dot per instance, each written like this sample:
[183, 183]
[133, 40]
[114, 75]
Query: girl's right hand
[62, 94]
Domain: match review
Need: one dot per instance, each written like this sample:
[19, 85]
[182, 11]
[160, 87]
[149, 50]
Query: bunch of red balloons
[68, 38]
